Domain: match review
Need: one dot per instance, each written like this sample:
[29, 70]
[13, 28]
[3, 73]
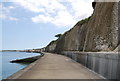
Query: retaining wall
[106, 64]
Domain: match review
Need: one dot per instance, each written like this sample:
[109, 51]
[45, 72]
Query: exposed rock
[117, 49]
[51, 47]
[72, 40]
[100, 32]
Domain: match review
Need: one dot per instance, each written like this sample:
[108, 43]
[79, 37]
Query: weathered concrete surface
[107, 64]
[54, 66]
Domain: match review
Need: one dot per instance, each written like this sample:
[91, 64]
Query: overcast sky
[33, 23]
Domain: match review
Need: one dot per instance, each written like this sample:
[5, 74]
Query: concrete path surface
[54, 66]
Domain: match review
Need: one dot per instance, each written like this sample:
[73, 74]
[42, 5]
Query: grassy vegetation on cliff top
[81, 22]
[84, 21]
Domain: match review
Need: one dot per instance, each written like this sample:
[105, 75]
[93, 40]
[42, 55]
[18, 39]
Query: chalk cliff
[97, 33]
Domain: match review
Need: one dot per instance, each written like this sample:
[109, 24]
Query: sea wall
[104, 63]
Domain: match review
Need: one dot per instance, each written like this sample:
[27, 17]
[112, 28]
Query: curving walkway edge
[54, 66]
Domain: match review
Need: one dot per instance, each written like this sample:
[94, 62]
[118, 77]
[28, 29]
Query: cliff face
[51, 47]
[99, 33]
[102, 33]
[72, 40]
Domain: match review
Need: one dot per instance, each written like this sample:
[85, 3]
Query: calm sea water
[11, 68]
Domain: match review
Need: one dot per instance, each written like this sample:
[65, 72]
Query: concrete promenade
[54, 66]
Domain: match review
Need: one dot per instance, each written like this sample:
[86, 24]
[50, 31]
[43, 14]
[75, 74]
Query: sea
[7, 68]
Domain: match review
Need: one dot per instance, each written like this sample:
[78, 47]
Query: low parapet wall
[106, 64]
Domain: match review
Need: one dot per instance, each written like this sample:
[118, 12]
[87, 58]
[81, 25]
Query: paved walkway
[54, 66]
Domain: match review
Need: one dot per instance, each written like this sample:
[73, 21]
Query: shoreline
[21, 71]
[48, 60]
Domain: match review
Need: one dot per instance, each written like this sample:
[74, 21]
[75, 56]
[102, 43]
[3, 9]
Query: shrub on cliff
[58, 35]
